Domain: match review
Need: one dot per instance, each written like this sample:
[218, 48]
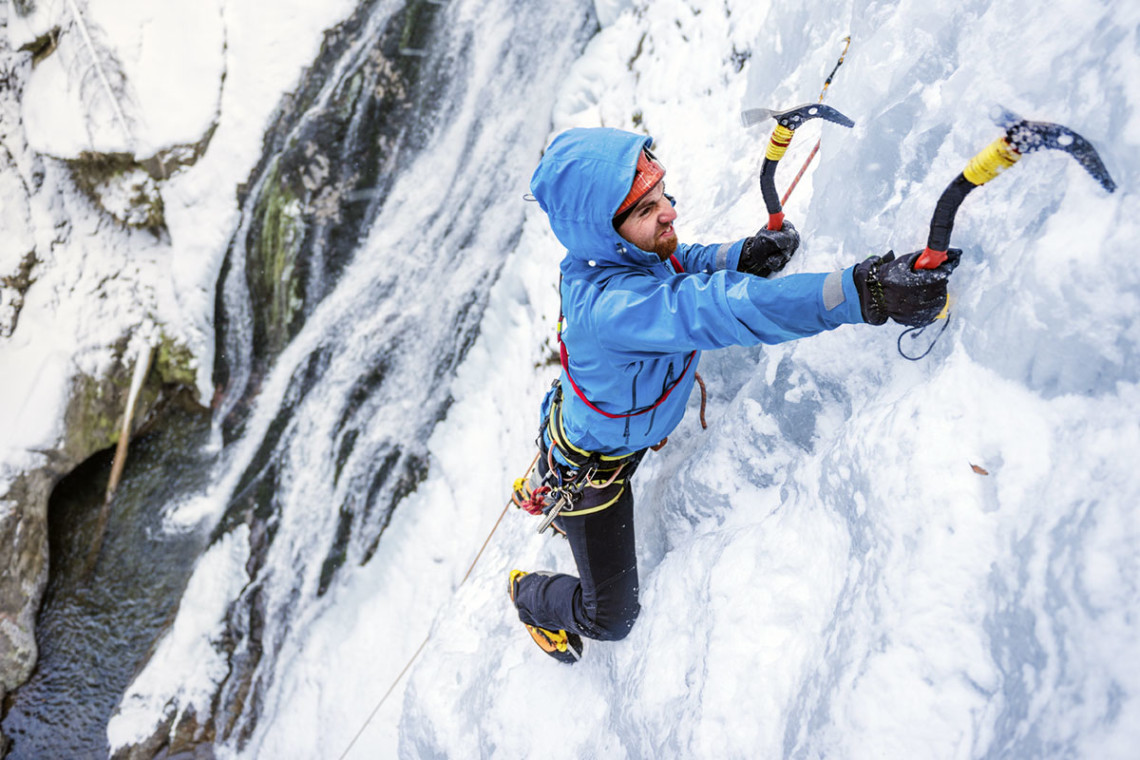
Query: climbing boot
[562, 646]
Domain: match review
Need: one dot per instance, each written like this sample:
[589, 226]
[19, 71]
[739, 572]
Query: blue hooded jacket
[631, 321]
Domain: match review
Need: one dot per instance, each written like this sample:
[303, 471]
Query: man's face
[649, 225]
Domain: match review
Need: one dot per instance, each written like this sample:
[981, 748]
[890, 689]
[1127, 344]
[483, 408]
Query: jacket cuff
[728, 255]
[841, 297]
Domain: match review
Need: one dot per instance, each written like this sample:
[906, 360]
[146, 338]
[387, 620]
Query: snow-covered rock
[81, 293]
[122, 76]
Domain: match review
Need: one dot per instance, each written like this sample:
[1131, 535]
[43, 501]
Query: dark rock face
[23, 533]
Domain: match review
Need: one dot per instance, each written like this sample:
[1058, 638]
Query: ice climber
[638, 308]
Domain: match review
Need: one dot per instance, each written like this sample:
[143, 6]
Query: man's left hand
[768, 251]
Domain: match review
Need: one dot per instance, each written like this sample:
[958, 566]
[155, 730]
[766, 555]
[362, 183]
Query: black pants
[602, 602]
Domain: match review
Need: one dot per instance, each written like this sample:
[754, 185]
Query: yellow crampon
[562, 646]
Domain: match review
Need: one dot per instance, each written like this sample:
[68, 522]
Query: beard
[666, 248]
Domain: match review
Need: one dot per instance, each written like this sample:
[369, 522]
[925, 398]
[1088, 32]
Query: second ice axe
[787, 122]
[1020, 137]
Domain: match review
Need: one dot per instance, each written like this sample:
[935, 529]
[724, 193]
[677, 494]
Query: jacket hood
[581, 180]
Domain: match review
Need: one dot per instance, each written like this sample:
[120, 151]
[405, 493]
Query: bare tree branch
[105, 69]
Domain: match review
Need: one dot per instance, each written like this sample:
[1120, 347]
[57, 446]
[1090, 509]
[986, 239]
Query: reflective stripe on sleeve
[833, 290]
[722, 256]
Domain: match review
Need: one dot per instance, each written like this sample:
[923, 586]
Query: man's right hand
[768, 251]
[890, 287]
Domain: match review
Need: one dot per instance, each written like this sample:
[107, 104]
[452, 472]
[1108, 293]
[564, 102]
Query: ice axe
[1020, 137]
[787, 122]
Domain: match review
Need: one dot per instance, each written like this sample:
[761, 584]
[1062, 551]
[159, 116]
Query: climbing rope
[704, 399]
[423, 644]
[822, 93]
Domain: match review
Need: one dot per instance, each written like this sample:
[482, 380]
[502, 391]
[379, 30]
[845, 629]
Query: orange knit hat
[649, 173]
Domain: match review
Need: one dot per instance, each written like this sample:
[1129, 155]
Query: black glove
[890, 287]
[768, 251]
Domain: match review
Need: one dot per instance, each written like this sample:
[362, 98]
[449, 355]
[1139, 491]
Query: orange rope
[826, 84]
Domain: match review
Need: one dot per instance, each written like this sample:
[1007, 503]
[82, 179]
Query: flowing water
[338, 434]
[99, 618]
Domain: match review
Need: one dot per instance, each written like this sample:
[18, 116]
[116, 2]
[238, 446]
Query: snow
[96, 282]
[193, 643]
[171, 55]
[854, 589]
[824, 573]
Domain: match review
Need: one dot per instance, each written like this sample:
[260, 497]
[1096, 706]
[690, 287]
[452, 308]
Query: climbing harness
[554, 487]
[565, 472]
[815, 149]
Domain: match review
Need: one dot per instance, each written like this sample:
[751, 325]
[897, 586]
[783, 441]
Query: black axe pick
[787, 122]
[1021, 137]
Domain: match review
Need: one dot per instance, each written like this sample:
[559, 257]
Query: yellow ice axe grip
[779, 142]
[994, 159]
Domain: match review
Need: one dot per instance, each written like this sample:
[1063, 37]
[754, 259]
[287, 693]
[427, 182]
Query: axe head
[792, 118]
[1028, 136]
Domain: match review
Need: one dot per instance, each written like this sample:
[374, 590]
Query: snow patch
[189, 662]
